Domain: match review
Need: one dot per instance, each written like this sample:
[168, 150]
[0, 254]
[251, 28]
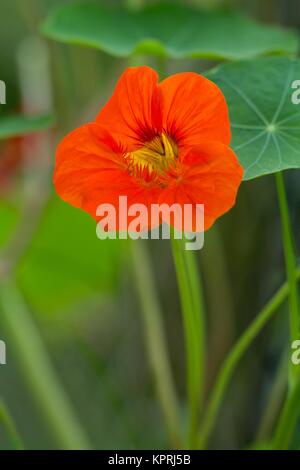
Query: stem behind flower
[290, 262]
[10, 427]
[233, 359]
[155, 339]
[291, 409]
[193, 320]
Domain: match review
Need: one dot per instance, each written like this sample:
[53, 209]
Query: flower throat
[156, 155]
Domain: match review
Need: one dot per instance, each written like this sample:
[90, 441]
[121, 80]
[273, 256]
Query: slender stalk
[198, 311]
[156, 341]
[256, 326]
[37, 370]
[10, 427]
[291, 409]
[290, 258]
[288, 419]
[233, 359]
[274, 403]
[193, 320]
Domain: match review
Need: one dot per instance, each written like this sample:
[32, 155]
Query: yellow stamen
[156, 155]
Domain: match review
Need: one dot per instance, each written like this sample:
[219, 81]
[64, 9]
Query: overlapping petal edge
[92, 164]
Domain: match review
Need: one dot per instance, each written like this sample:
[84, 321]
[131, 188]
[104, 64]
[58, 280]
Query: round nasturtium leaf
[167, 30]
[265, 122]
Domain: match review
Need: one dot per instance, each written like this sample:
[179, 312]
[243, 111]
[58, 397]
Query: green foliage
[7, 422]
[17, 125]
[67, 262]
[167, 30]
[265, 123]
[8, 220]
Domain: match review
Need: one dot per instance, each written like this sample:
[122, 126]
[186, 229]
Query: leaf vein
[247, 100]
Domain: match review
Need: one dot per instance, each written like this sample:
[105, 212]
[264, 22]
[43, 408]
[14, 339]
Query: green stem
[156, 342]
[193, 320]
[290, 258]
[37, 369]
[274, 403]
[256, 326]
[199, 321]
[288, 419]
[291, 409]
[10, 427]
[234, 357]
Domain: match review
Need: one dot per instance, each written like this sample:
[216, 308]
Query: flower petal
[85, 159]
[90, 171]
[194, 109]
[211, 175]
[133, 113]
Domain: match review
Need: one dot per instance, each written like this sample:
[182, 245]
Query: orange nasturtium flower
[155, 143]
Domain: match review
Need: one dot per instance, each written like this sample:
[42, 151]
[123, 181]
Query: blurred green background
[81, 291]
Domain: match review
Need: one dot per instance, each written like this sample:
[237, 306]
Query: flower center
[155, 156]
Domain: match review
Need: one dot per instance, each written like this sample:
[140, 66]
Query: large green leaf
[66, 262]
[265, 123]
[18, 125]
[167, 30]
